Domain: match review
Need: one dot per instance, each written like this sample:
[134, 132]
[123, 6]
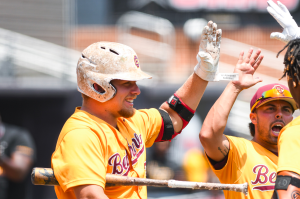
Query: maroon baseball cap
[269, 93]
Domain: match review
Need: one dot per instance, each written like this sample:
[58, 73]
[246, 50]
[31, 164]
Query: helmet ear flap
[93, 84]
[98, 88]
[109, 94]
[108, 89]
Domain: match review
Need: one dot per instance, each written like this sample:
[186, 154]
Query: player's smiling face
[122, 102]
[269, 119]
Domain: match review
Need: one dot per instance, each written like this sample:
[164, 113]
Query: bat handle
[43, 176]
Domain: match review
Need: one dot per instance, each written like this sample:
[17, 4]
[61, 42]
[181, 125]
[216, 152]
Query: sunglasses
[273, 93]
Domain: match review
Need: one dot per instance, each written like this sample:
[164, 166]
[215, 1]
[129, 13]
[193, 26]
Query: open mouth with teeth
[277, 128]
[129, 101]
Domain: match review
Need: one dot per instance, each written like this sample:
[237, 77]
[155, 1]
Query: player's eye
[127, 83]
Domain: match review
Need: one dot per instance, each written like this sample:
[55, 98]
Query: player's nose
[278, 115]
[135, 90]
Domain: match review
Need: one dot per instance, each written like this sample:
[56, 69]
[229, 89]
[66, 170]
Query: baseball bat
[45, 176]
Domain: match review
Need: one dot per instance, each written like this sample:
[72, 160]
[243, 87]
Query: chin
[273, 140]
[127, 113]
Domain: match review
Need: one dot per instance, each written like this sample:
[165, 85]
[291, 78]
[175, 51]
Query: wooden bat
[45, 176]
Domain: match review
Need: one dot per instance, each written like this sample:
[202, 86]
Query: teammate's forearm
[218, 115]
[190, 93]
[216, 119]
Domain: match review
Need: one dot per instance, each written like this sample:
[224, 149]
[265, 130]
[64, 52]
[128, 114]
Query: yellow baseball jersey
[88, 148]
[248, 162]
[289, 147]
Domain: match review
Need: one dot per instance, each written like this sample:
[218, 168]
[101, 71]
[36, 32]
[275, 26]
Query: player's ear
[253, 118]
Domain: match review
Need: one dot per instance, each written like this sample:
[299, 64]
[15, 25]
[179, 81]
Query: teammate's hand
[209, 52]
[284, 18]
[246, 67]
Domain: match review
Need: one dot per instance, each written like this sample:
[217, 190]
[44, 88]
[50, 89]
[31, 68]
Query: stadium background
[41, 41]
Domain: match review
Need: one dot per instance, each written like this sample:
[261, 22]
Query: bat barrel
[209, 186]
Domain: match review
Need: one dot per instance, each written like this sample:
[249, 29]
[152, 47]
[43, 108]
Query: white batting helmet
[102, 62]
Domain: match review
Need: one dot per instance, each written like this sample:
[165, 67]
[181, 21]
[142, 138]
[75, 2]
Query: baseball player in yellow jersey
[106, 134]
[288, 171]
[237, 160]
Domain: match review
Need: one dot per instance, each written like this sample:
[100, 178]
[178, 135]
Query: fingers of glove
[210, 38]
[276, 8]
[214, 28]
[204, 32]
[283, 8]
[214, 34]
[254, 58]
[276, 16]
[275, 35]
[279, 36]
[204, 37]
[247, 58]
[219, 36]
[210, 26]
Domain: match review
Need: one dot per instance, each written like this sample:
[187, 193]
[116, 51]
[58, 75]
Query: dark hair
[292, 61]
[252, 129]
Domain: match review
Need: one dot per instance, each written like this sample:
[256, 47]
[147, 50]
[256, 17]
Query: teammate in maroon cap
[237, 160]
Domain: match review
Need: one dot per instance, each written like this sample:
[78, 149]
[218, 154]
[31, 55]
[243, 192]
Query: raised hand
[284, 18]
[246, 67]
[209, 52]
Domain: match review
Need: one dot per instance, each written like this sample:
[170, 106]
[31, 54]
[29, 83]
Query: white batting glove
[284, 18]
[209, 53]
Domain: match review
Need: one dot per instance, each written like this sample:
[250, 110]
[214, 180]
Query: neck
[271, 147]
[99, 110]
